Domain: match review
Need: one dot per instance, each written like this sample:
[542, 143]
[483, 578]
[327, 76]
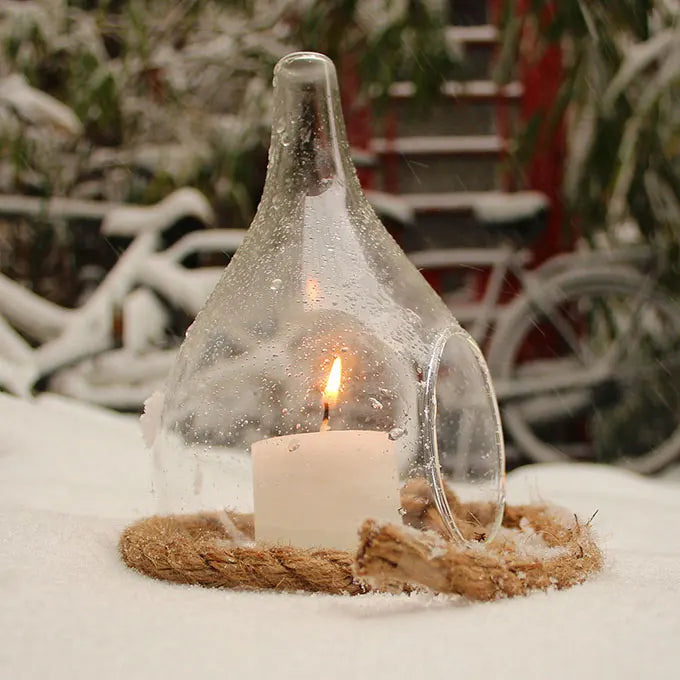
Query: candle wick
[325, 423]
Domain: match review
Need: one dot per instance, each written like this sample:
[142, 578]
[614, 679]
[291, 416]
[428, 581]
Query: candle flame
[330, 394]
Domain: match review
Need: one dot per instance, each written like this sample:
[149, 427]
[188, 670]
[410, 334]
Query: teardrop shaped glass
[250, 420]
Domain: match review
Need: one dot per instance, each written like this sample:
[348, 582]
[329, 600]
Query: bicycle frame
[65, 336]
[480, 317]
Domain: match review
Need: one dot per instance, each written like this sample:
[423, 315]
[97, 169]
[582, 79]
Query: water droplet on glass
[294, 446]
[396, 432]
[276, 284]
[375, 403]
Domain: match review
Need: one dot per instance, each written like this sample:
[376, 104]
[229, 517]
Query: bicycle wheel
[617, 341]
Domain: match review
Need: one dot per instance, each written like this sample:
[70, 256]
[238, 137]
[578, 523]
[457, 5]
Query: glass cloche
[324, 380]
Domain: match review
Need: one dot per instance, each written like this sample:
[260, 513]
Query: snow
[497, 206]
[37, 107]
[118, 378]
[67, 336]
[391, 206]
[127, 220]
[444, 201]
[484, 34]
[449, 144]
[55, 208]
[638, 57]
[72, 476]
[17, 368]
[145, 319]
[466, 89]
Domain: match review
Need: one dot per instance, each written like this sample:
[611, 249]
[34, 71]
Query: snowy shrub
[127, 101]
[620, 98]
[164, 93]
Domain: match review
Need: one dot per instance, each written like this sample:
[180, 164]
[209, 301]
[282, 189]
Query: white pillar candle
[314, 490]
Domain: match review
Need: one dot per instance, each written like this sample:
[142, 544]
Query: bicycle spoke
[568, 334]
[631, 334]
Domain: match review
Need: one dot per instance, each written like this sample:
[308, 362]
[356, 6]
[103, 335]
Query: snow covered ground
[72, 476]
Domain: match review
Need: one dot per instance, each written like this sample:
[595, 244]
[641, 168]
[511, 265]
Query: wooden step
[444, 119]
[440, 174]
[440, 145]
[465, 89]
[454, 202]
[464, 108]
[477, 45]
[439, 163]
[447, 220]
[485, 34]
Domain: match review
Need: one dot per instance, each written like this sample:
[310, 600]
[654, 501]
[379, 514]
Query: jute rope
[538, 547]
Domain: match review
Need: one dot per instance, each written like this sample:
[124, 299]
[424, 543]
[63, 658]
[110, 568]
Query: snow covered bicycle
[585, 358]
[113, 349]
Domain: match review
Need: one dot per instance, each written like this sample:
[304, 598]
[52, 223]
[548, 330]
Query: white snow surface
[72, 476]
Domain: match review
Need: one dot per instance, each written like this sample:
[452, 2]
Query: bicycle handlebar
[127, 220]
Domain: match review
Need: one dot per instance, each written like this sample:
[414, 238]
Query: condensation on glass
[318, 277]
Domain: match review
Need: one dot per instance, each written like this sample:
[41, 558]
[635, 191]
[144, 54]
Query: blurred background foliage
[152, 95]
[620, 99]
[174, 93]
[159, 94]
